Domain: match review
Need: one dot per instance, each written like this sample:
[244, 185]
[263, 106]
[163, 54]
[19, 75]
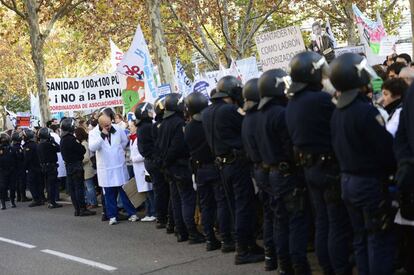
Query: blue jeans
[111, 194]
[150, 204]
[374, 246]
[90, 192]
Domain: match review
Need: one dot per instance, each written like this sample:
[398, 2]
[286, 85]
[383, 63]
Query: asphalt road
[90, 246]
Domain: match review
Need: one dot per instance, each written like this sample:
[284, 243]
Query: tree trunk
[37, 42]
[161, 54]
[412, 23]
[350, 25]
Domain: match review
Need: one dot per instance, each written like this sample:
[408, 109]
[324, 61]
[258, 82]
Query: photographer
[47, 152]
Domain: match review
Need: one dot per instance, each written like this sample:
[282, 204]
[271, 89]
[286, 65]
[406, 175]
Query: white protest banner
[387, 45]
[164, 90]
[277, 48]
[137, 63]
[183, 82]
[202, 86]
[248, 68]
[75, 94]
[350, 49]
[116, 55]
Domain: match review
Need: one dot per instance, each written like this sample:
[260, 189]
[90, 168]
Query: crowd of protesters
[284, 155]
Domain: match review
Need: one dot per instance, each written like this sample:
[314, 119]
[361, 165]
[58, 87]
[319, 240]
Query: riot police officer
[7, 170]
[47, 152]
[223, 130]
[32, 166]
[175, 155]
[286, 179]
[249, 131]
[207, 177]
[72, 154]
[20, 173]
[364, 151]
[308, 116]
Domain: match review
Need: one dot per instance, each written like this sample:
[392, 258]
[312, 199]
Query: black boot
[13, 204]
[54, 205]
[25, 199]
[270, 259]
[170, 228]
[285, 267]
[3, 205]
[182, 237]
[213, 244]
[35, 203]
[245, 256]
[86, 212]
[227, 246]
[196, 237]
[19, 198]
[302, 269]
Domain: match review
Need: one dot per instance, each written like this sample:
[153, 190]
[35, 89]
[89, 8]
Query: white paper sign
[350, 49]
[387, 45]
[277, 48]
[75, 94]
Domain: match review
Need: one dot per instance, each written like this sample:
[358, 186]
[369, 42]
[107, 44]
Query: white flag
[184, 84]
[234, 70]
[116, 55]
[137, 63]
[330, 33]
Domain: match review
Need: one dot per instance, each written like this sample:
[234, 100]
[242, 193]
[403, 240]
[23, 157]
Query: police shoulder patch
[380, 120]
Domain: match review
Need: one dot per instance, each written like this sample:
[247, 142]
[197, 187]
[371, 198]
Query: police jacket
[360, 141]
[272, 135]
[404, 139]
[8, 159]
[207, 123]
[31, 158]
[72, 150]
[18, 151]
[197, 143]
[145, 139]
[308, 116]
[47, 151]
[249, 129]
[171, 140]
[155, 128]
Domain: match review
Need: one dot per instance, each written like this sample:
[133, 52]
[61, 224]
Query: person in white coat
[143, 185]
[109, 142]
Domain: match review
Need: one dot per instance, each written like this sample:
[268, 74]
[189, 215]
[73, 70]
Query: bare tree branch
[244, 25]
[13, 6]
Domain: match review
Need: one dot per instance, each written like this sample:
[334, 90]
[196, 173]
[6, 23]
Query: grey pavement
[132, 248]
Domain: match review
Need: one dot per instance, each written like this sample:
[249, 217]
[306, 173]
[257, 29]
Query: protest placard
[85, 93]
[277, 48]
[351, 49]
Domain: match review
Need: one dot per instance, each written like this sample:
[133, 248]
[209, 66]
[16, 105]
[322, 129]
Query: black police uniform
[308, 117]
[33, 176]
[8, 169]
[222, 125]
[47, 152]
[72, 153]
[20, 172]
[175, 155]
[209, 188]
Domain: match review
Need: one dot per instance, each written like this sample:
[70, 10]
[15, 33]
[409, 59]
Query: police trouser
[49, 175]
[20, 183]
[6, 183]
[333, 232]
[183, 198]
[261, 177]
[75, 180]
[161, 190]
[212, 197]
[33, 178]
[291, 220]
[370, 211]
[236, 176]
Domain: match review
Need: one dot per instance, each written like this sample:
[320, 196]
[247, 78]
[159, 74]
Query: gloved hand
[405, 175]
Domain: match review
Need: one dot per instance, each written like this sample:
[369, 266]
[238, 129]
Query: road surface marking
[17, 243]
[80, 260]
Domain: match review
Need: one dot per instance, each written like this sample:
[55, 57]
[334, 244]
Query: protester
[407, 74]
[394, 70]
[392, 92]
[91, 200]
[72, 153]
[119, 120]
[404, 59]
[141, 178]
[108, 141]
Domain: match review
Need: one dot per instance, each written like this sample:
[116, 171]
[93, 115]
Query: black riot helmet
[144, 111]
[174, 103]
[16, 137]
[4, 139]
[228, 86]
[306, 68]
[251, 94]
[272, 83]
[44, 133]
[348, 74]
[159, 106]
[28, 135]
[195, 103]
[67, 126]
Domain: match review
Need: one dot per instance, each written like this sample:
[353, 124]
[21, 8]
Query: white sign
[116, 56]
[350, 49]
[387, 45]
[75, 94]
[277, 48]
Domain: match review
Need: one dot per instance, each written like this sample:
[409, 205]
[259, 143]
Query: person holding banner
[321, 43]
